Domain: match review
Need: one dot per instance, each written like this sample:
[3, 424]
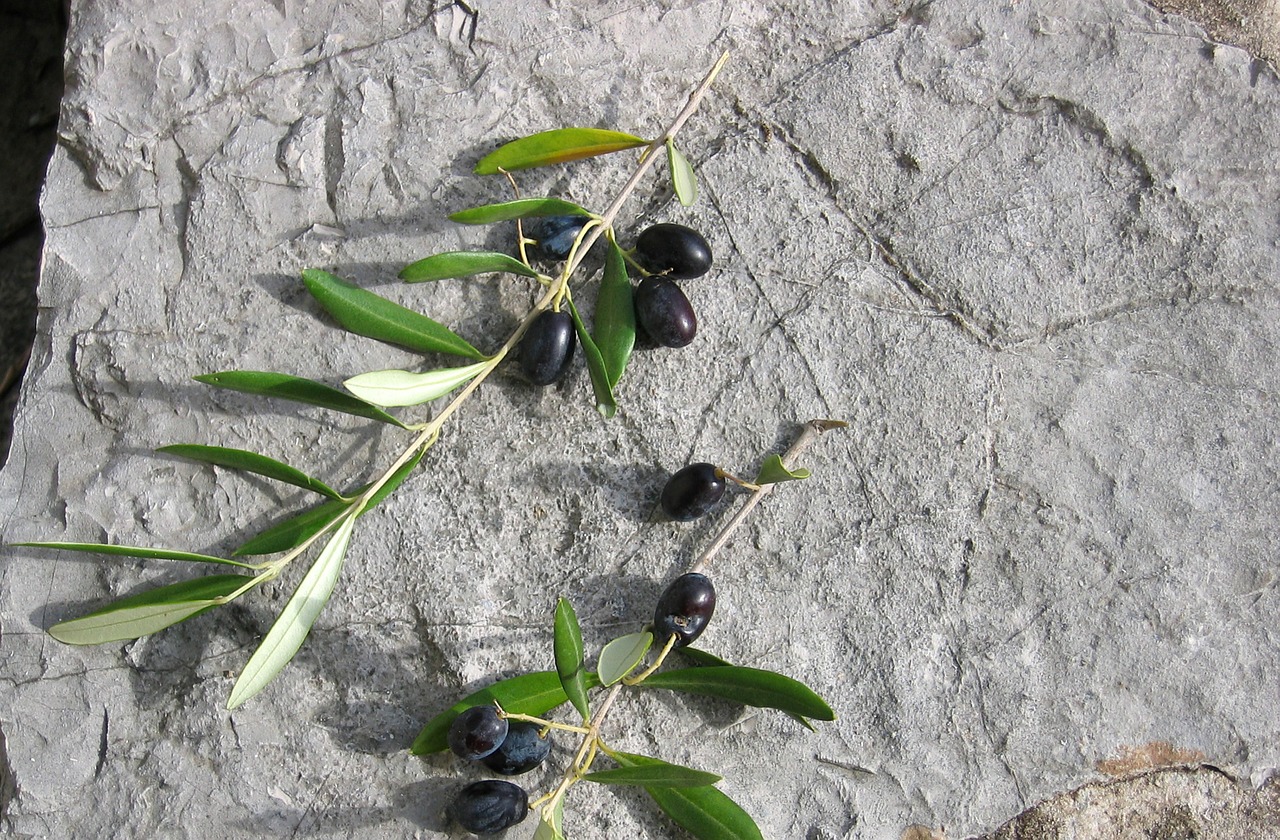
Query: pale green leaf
[683, 181]
[621, 656]
[149, 611]
[401, 388]
[294, 623]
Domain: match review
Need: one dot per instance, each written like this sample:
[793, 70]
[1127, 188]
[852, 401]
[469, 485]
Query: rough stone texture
[1028, 252]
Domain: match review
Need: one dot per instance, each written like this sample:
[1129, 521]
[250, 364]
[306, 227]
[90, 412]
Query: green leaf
[294, 623]
[149, 611]
[615, 317]
[463, 264]
[683, 181]
[520, 208]
[559, 145]
[528, 694]
[621, 656]
[364, 313]
[296, 530]
[292, 532]
[657, 774]
[240, 459]
[773, 470]
[706, 812]
[551, 825]
[569, 654]
[297, 389]
[710, 660]
[401, 388]
[605, 403]
[749, 686]
[135, 551]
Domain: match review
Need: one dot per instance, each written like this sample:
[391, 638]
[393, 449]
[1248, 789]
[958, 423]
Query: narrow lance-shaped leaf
[136, 551]
[559, 145]
[621, 656]
[773, 471]
[294, 623]
[706, 812]
[297, 389]
[401, 388]
[462, 264]
[749, 686]
[520, 208]
[683, 181]
[656, 774]
[710, 660]
[296, 530]
[569, 655]
[240, 459]
[364, 313]
[551, 824]
[605, 403]
[149, 611]
[615, 317]
[528, 694]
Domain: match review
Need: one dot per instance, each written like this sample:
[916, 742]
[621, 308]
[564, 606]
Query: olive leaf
[605, 403]
[621, 656]
[773, 471]
[710, 660]
[372, 316]
[654, 773]
[294, 622]
[528, 694]
[569, 655]
[296, 530]
[559, 145]
[551, 825]
[614, 331]
[520, 208]
[297, 389]
[683, 181]
[401, 388]
[240, 459]
[149, 611]
[749, 686]
[135, 551]
[706, 812]
[462, 264]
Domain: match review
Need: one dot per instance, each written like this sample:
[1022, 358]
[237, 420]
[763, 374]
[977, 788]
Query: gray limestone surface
[1028, 251]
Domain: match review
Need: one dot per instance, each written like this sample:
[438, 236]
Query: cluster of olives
[483, 734]
[667, 252]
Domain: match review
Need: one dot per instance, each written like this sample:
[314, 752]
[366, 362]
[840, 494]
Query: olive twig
[812, 431]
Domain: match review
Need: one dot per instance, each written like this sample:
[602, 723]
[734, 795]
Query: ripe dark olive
[556, 234]
[477, 732]
[664, 313]
[692, 492]
[522, 750]
[547, 348]
[684, 609]
[673, 251]
[489, 807]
